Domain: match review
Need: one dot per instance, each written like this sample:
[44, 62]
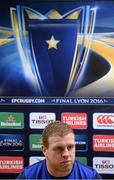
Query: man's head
[58, 146]
[55, 128]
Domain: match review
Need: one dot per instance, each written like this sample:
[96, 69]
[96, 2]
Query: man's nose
[65, 153]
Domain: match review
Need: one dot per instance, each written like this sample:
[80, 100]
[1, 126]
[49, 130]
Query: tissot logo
[75, 120]
[104, 165]
[40, 120]
[103, 120]
[11, 142]
[103, 142]
[11, 164]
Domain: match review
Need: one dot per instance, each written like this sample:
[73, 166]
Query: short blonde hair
[55, 128]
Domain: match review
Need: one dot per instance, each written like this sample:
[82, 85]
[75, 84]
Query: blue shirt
[39, 171]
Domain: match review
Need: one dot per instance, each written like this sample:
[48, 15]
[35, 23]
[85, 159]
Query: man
[58, 146]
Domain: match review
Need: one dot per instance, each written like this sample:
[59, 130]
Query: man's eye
[70, 147]
[58, 149]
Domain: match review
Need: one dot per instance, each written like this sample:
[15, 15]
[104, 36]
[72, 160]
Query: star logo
[10, 118]
[52, 43]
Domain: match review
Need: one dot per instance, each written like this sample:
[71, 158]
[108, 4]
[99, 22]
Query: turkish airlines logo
[75, 120]
[103, 143]
[103, 120]
[11, 164]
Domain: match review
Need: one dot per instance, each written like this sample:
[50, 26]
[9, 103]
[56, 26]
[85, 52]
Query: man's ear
[44, 150]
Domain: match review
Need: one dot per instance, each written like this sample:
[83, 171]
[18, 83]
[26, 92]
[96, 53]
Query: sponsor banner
[103, 121]
[104, 165]
[11, 142]
[11, 120]
[57, 101]
[40, 120]
[81, 143]
[82, 160]
[11, 164]
[35, 159]
[35, 142]
[103, 142]
[75, 120]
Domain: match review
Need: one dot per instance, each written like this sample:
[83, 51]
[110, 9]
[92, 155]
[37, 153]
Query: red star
[10, 118]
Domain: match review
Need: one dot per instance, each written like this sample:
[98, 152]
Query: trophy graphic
[53, 48]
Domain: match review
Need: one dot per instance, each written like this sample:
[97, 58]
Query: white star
[52, 43]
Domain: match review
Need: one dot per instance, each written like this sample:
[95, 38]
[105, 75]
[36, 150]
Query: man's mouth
[66, 162]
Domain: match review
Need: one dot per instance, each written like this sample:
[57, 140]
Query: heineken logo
[35, 142]
[10, 120]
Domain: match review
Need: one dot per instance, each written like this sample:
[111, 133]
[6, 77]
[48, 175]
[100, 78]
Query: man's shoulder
[32, 171]
[86, 170]
[83, 166]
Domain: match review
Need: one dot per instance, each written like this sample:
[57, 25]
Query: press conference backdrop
[56, 63]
